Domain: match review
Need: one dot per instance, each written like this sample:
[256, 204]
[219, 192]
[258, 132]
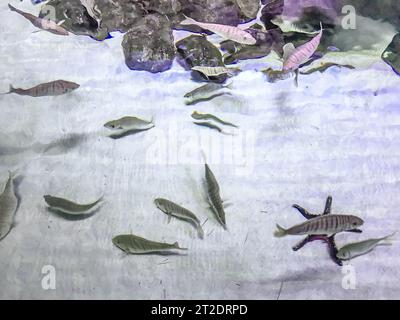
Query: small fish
[214, 196]
[325, 66]
[132, 244]
[353, 250]
[129, 123]
[276, 75]
[8, 207]
[54, 88]
[69, 207]
[216, 71]
[42, 23]
[206, 91]
[322, 225]
[172, 209]
[293, 57]
[287, 26]
[228, 32]
[206, 116]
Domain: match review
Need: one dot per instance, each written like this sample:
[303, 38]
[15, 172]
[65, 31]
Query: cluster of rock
[148, 25]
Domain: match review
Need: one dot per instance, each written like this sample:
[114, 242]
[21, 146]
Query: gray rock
[392, 54]
[249, 8]
[149, 44]
[198, 51]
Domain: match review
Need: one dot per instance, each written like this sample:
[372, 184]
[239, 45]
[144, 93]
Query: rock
[249, 8]
[266, 41]
[149, 44]
[166, 7]
[392, 54]
[76, 19]
[197, 51]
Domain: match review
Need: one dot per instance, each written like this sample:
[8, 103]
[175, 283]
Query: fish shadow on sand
[191, 103]
[73, 217]
[123, 134]
[64, 144]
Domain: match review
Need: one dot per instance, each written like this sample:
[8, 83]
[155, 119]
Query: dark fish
[53, 88]
[214, 196]
[322, 225]
[172, 209]
[69, 207]
[8, 207]
[132, 244]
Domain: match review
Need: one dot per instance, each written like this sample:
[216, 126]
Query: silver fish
[216, 71]
[322, 225]
[214, 196]
[228, 32]
[353, 250]
[42, 23]
[132, 244]
[172, 209]
[206, 91]
[206, 116]
[287, 26]
[53, 88]
[69, 207]
[8, 207]
[129, 123]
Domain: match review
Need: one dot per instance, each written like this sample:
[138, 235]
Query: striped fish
[53, 88]
[322, 225]
[216, 71]
[8, 207]
[172, 209]
[214, 196]
[295, 57]
[228, 32]
[42, 23]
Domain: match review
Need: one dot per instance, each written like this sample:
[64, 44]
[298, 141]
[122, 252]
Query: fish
[228, 32]
[172, 209]
[42, 23]
[276, 75]
[356, 249]
[129, 123]
[322, 225]
[53, 88]
[132, 244]
[216, 71]
[325, 66]
[208, 125]
[8, 207]
[287, 26]
[206, 116]
[214, 196]
[69, 207]
[293, 57]
[206, 91]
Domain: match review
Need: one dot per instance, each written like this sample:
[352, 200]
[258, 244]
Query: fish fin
[229, 86]
[296, 78]
[36, 31]
[280, 233]
[10, 90]
[176, 245]
[390, 237]
[169, 217]
[288, 49]
[328, 205]
[188, 21]
[61, 22]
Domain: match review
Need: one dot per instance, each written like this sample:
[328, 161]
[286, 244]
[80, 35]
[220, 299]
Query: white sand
[337, 134]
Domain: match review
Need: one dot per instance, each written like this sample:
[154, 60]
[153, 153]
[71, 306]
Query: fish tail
[12, 8]
[189, 21]
[390, 237]
[200, 232]
[10, 90]
[280, 233]
[229, 85]
[176, 245]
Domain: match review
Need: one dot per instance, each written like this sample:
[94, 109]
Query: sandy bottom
[337, 134]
